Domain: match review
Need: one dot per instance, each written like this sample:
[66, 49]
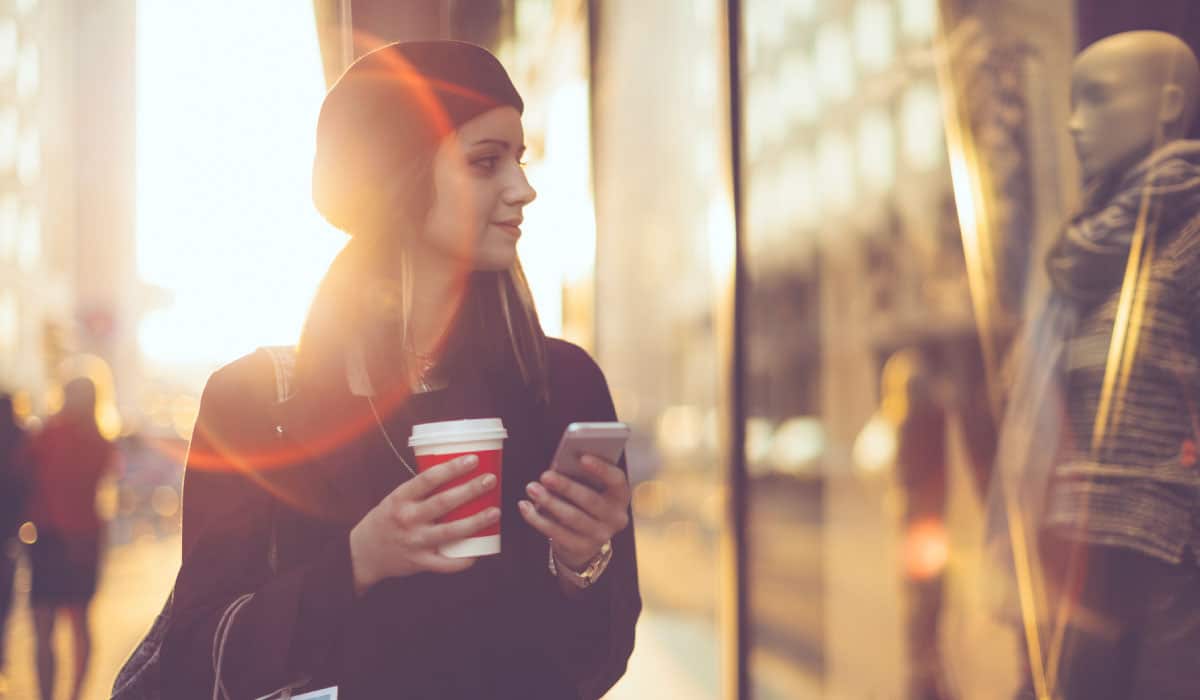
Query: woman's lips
[511, 228]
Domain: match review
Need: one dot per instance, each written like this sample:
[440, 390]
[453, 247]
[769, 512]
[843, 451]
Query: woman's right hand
[400, 536]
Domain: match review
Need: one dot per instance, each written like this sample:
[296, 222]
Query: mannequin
[1129, 93]
[1122, 496]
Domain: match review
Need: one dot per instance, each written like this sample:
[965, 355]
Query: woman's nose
[520, 192]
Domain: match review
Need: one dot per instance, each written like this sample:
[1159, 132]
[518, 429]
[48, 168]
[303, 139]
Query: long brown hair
[366, 297]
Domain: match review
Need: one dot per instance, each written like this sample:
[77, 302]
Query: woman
[70, 457]
[310, 504]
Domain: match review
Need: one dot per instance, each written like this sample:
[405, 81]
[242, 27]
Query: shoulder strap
[283, 357]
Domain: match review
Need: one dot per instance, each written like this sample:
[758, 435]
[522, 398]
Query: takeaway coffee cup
[435, 443]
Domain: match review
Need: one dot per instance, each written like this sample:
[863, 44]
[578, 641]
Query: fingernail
[524, 506]
[489, 480]
[534, 489]
[493, 514]
[470, 460]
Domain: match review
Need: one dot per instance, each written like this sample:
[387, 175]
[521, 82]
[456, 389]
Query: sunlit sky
[226, 108]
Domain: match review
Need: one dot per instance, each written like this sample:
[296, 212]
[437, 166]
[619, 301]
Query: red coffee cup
[435, 443]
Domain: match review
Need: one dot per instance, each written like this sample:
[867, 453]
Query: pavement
[134, 583]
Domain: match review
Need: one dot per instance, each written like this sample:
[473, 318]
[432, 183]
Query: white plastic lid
[451, 431]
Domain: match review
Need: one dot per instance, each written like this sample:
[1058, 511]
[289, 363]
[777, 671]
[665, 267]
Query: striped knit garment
[1141, 488]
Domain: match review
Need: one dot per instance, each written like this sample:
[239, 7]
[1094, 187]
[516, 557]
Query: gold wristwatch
[590, 573]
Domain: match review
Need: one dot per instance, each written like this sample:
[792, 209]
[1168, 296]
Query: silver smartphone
[603, 440]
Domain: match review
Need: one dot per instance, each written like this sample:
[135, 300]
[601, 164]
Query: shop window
[874, 35]
[29, 242]
[29, 157]
[8, 321]
[10, 218]
[28, 71]
[919, 19]
[876, 150]
[8, 138]
[835, 158]
[835, 62]
[921, 126]
[8, 46]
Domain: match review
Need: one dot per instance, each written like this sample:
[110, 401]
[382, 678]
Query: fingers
[435, 535]
[439, 504]
[583, 496]
[553, 530]
[566, 514]
[430, 480]
[608, 474]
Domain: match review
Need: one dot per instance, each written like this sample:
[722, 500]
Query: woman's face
[479, 190]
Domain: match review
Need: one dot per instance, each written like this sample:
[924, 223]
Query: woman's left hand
[577, 518]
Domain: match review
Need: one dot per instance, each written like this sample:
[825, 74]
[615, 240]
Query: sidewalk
[133, 585]
[670, 661]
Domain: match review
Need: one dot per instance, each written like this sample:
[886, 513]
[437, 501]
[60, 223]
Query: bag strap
[283, 361]
[283, 358]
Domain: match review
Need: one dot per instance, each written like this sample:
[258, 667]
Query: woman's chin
[495, 260]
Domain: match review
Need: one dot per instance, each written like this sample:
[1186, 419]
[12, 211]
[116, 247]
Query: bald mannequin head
[1131, 93]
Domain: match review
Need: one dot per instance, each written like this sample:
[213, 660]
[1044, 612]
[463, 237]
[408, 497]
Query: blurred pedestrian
[310, 545]
[70, 457]
[13, 491]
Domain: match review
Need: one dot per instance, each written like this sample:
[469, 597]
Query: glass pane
[10, 213]
[8, 321]
[28, 71]
[8, 46]
[29, 156]
[887, 266]
[29, 241]
[8, 138]
[660, 257]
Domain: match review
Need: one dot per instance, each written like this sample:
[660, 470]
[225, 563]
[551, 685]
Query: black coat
[310, 468]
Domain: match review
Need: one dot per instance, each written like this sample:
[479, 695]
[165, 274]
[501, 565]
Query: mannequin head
[1131, 93]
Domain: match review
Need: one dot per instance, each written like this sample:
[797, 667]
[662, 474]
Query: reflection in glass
[10, 216]
[8, 320]
[919, 19]
[797, 445]
[8, 46]
[835, 160]
[800, 102]
[876, 150]
[663, 260]
[29, 156]
[29, 241]
[796, 201]
[8, 138]
[834, 60]
[28, 71]
[921, 126]
[874, 37]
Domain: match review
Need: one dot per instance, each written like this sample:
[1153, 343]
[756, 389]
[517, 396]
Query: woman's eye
[488, 163]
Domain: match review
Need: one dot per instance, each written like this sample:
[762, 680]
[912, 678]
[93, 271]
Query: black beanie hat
[396, 102]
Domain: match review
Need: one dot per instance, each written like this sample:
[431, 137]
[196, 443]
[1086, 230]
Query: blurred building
[37, 254]
[67, 199]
